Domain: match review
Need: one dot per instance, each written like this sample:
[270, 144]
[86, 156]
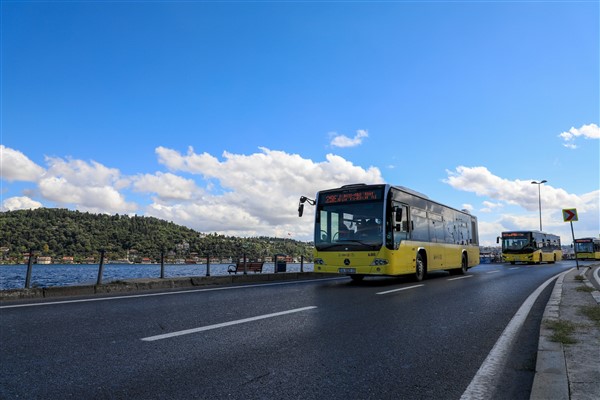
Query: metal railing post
[162, 264]
[29, 267]
[100, 268]
[208, 265]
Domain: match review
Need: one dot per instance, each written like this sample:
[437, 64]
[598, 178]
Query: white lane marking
[483, 384]
[224, 324]
[514, 267]
[133, 296]
[460, 277]
[493, 272]
[397, 290]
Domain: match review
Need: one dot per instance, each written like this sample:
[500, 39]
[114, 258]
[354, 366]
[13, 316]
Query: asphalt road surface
[382, 338]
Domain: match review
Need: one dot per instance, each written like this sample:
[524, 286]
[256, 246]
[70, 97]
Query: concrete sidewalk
[570, 370]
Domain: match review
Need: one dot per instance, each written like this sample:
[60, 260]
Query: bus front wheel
[357, 278]
[420, 268]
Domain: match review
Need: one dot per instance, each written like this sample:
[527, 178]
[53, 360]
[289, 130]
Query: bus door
[400, 223]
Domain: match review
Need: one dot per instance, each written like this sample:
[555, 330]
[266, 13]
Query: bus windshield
[584, 247]
[515, 243]
[349, 226]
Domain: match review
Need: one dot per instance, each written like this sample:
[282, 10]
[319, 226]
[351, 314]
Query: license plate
[347, 270]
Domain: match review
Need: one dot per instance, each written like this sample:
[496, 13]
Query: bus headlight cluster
[380, 261]
[319, 261]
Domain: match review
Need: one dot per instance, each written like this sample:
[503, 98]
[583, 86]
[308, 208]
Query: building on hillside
[44, 260]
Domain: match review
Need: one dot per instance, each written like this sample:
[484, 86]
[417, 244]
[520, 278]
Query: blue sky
[219, 115]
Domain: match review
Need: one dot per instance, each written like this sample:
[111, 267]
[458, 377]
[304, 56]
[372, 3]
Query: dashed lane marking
[224, 324]
[460, 277]
[398, 290]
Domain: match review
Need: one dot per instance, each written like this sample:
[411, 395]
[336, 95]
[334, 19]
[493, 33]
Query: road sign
[570, 215]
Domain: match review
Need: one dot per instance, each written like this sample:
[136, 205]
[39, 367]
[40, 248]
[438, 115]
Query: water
[13, 276]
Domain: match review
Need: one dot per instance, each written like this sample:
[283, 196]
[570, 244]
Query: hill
[62, 233]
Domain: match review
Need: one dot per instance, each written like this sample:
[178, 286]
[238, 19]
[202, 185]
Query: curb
[550, 381]
[149, 284]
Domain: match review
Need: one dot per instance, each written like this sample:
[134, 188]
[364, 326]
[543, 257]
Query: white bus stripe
[224, 324]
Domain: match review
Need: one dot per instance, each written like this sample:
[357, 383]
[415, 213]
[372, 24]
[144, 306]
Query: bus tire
[420, 268]
[553, 259]
[541, 258]
[357, 277]
[464, 265]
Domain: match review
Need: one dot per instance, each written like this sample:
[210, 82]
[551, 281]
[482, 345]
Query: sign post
[570, 215]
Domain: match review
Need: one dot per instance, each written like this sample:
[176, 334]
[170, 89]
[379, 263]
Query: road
[381, 338]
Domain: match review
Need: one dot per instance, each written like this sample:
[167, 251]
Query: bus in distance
[587, 248]
[383, 230]
[531, 247]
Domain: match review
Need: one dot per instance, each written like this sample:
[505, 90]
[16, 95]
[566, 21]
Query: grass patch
[562, 331]
[579, 278]
[585, 289]
[592, 312]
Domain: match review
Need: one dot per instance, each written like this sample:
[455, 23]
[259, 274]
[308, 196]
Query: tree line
[59, 233]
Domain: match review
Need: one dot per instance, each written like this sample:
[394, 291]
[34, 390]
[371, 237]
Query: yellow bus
[363, 230]
[532, 247]
[587, 249]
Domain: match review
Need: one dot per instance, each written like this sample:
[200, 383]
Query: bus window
[421, 229]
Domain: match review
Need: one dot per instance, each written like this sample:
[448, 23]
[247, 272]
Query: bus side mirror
[304, 199]
[497, 239]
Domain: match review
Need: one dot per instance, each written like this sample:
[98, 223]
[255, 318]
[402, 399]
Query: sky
[219, 115]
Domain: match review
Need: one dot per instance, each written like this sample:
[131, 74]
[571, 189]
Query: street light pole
[539, 198]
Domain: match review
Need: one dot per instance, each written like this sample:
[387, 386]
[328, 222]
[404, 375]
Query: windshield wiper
[345, 243]
[358, 241]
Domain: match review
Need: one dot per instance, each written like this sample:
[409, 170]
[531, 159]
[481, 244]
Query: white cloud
[87, 186]
[522, 194]
[345, 141]
[591, 131]
[489, 206]
[15, 166]
[518, 192]
[468, 207]
[20, 203]
[167, 186]
[261, 190]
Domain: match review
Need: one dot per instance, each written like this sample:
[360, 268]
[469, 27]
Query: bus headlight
[319, 261]
[380, 261]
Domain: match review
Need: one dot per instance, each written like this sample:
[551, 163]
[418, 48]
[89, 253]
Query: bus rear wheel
[464, 266]
[420, 268]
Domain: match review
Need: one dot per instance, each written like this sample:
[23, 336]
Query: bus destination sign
[351, 196]
[513, 234]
